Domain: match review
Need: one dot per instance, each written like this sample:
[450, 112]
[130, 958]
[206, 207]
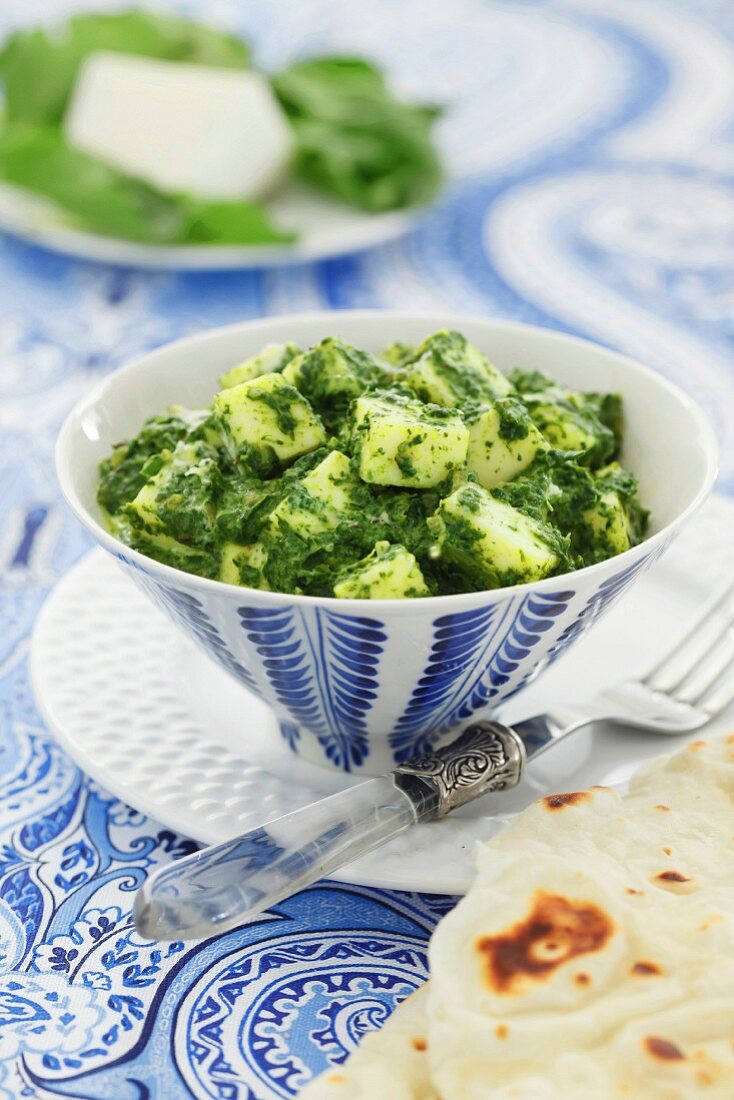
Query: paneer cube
[320, 501]
[492, 542]
[390, 572]
[405, 443]
[433, 384]
[178, 496]
[448, 370]
[207, 131]
[273, 357]
[397, 354]
[331, 374]
[570, 420]
[567, 428]
[607, 526]
[332, 482]
[142, 511]
[268, 420]
[503, 441]
[243, 564]
[290, 370]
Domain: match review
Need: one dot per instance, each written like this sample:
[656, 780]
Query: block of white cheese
[215, 133]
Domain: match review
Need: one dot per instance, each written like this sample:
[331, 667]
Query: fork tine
[710, 626]
[708, 672]
[720, 696]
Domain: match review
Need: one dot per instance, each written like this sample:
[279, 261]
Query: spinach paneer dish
[157, 129]
[333, 472]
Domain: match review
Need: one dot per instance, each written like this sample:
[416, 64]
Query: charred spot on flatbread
[663, 1049]
[556, 930]
[646, 969]
[568, 798]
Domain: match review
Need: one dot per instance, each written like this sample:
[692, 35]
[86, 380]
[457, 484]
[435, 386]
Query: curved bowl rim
[432, 604]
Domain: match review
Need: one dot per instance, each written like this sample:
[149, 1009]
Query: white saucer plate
[160, 726]
[325, 228]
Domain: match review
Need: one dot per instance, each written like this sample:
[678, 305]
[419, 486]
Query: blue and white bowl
[359, 685]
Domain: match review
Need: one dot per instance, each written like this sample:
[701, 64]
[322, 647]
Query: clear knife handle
[222, 886]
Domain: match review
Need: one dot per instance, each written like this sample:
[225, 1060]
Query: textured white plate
[164, 729]
[326, 228]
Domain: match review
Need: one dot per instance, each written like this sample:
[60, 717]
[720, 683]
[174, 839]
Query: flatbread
[592, 957]
[684, 1053]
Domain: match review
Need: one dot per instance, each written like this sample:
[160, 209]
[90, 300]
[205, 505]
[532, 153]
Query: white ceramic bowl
[358, 685]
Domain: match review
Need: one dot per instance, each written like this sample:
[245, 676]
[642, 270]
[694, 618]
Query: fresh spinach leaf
[231, 223]
[355, 140]
[109, 202]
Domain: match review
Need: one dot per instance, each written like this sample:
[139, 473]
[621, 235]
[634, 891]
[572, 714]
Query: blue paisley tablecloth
[594, 144]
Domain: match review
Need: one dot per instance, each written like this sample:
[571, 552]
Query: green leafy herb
[229, 223]
[115, 204]
[124, 473]
[614, 478]
[355, 140]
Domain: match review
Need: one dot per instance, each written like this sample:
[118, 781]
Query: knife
[226, 884]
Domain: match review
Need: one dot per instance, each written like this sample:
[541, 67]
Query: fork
[688, 687]
[221, 886]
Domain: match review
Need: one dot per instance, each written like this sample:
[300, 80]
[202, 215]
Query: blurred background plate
[325, 228]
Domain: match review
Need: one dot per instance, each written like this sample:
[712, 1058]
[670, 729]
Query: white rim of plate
[30, 217]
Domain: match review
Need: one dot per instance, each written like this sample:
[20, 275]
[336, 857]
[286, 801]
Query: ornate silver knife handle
[222, 886]
[486, 757]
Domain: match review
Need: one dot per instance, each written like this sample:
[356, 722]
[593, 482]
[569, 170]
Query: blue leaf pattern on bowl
[535, 617]
[458, 640]
[470, 661]
[273, 632]
[323, 668]
[290, 733]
